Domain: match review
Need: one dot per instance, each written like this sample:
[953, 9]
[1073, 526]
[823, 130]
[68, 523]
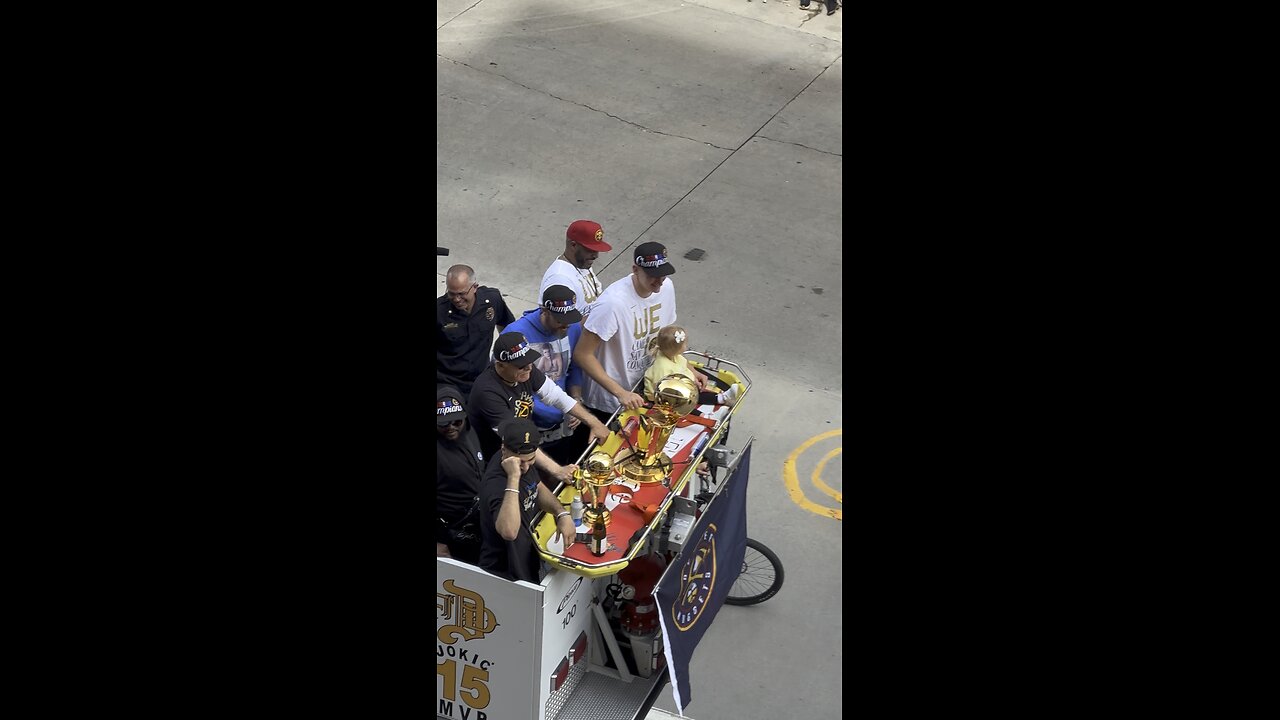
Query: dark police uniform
[464, 342]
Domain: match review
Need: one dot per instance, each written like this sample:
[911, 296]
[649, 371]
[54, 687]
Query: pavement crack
[581, 105]
[806, 147]
[455, 17]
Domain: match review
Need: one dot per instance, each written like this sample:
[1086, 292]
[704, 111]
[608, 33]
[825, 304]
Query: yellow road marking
[793, 481]
[817, 476]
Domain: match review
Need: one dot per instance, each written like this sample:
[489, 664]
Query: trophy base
[646, 471]
[589, 515]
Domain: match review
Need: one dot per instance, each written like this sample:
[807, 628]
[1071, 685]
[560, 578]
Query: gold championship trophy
[674, 397]
[592, 480]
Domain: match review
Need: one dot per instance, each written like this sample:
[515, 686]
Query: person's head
[513, 358]
[583, 243]
[520, 438]
[650, 268]
[460, 286]
[451, 415]
[559, 310]
[671, 341]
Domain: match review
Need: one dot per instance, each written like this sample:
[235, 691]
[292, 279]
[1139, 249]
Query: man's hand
[566, 529]
[564, 473]
[512, 466]
[442, 550]
[630, 400]
[598, 431]
[573, 421]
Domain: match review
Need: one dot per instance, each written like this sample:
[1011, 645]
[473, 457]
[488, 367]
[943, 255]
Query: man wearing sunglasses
[506, 390]
[466, 316]
[459, 467]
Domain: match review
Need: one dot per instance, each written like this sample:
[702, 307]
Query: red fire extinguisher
[640, 612]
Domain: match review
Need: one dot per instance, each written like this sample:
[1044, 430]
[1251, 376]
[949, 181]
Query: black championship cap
[563, 302]
[512, 348]
[521, 436]
[652, 257]
[449, 405]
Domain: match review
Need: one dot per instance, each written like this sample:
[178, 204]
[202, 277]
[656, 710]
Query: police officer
[466, 316]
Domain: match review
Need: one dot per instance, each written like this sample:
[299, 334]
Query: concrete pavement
[711, 125]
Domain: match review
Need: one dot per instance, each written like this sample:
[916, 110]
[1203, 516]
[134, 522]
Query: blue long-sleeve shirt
[557, 356]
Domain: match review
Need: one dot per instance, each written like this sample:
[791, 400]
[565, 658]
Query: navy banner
[698, 580]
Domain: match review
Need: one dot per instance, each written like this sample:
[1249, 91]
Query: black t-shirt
[464, 341]
[459, 466]
[494, 402]
[514, 560]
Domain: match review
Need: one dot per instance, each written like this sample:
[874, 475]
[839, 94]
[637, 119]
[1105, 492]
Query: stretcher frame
[686, 485]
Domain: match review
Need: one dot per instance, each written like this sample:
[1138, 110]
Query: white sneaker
[730, 396]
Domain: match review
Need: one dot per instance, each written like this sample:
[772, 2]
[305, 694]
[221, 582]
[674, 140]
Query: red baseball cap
[589, 235]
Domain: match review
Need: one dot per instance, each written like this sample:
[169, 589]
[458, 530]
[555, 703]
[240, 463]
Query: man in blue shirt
[553, 329]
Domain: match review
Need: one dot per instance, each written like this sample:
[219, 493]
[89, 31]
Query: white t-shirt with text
[583, 282]
[625, 323]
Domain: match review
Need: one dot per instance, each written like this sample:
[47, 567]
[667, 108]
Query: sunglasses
[456, 423]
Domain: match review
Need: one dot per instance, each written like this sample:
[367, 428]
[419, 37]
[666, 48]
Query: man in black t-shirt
[510, 495]
[505, 390]
[459, 466]
[465, 318]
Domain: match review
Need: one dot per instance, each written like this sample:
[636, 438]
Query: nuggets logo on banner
[697, 582]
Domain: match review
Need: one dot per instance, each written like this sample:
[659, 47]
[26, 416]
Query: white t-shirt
[583, 282]
[625, 322]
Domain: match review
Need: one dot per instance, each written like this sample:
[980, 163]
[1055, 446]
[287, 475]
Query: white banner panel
[486, 645]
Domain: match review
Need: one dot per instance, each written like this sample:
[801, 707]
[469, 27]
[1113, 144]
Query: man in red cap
[583, 243]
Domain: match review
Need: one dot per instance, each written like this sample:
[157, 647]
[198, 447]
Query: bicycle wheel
[761, 576]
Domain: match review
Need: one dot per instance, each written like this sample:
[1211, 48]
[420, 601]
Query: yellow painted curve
[817, 476]
[793, 481]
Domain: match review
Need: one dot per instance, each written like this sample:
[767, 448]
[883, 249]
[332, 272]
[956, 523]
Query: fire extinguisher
[640, 612]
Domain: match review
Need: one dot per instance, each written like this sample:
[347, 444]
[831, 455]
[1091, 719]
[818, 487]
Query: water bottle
[575, 511]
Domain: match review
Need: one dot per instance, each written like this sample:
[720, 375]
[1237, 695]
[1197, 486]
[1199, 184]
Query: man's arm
[504, 315]
[598, 430]
[575, 392]
[508, 521]
[585, 357]
[573, 378]
[552, 395]
[548, 502]
[544, 463]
